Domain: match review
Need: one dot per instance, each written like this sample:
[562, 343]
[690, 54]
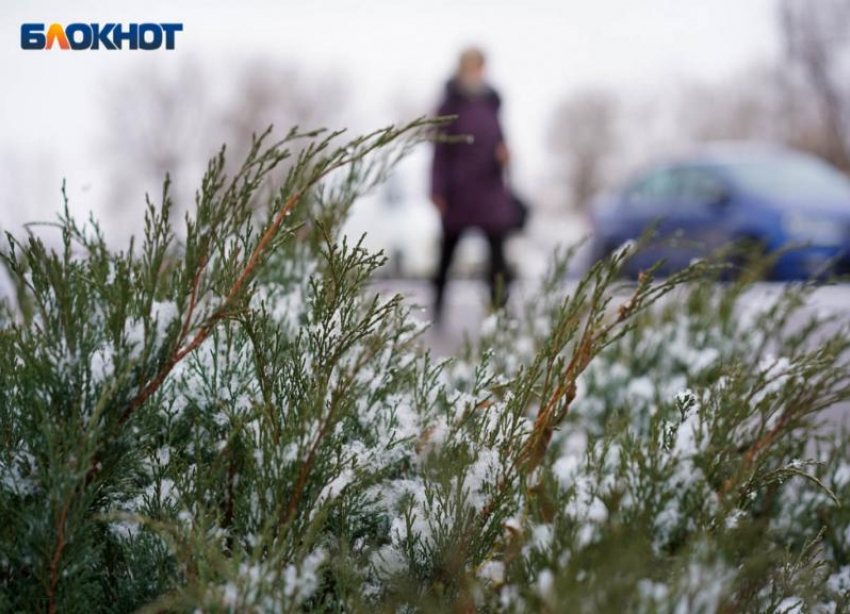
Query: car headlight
[815, 230]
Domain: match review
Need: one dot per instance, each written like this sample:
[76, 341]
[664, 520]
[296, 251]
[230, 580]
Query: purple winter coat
[467, 175]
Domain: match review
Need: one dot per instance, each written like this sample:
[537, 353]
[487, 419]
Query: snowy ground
[405, 226]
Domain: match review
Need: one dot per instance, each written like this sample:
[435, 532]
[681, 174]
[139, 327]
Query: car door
[648, 202]
[697, 214]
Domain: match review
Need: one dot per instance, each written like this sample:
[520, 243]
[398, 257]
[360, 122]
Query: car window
[656, 187]
[697, 186]
[793, 177]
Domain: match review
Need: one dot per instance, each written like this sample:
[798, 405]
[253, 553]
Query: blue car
[768, 197]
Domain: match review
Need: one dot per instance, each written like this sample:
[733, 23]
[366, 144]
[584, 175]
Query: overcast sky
[390, 53]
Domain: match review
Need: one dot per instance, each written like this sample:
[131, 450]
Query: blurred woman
[467, 183]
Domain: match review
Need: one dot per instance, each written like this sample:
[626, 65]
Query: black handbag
[521, 210]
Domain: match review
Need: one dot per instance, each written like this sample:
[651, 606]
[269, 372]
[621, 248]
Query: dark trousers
[497, 271]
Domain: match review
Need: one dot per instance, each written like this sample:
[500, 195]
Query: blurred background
[593, 93]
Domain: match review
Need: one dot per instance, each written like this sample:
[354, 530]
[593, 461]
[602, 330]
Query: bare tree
[160, 123]
[582, 138]
[156, 123]
[269, 93]
[754, 105]
[817, 43]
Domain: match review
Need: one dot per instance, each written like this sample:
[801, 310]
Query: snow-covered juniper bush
[228, 419]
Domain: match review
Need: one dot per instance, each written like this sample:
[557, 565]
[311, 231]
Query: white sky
[387, 51]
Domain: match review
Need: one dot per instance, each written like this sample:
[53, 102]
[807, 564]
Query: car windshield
[793, 178]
